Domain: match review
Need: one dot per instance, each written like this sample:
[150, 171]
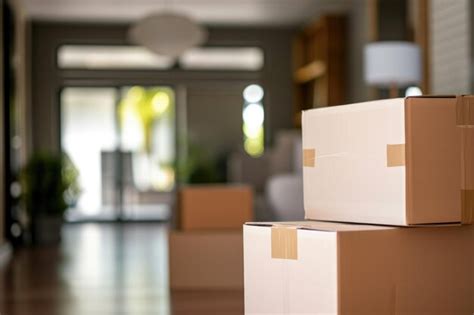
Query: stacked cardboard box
[400, 174]
[205, 251]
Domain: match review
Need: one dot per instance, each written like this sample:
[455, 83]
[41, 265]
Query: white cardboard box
[333, 268]
[396, 162]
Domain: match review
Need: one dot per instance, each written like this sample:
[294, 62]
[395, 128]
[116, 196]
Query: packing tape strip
[395, 155]
[467, 204]
[284, 242]
[467, 158]
[467, 176]
[465, 121]
[465, 111]
[309, 157]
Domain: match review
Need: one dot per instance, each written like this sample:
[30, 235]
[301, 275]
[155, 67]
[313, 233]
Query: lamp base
[393, 91]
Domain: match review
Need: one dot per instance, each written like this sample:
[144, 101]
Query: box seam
[338, 273]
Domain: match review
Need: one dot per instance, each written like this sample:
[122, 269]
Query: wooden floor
[103, 269]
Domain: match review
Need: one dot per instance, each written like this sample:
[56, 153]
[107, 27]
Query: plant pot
[47, 229]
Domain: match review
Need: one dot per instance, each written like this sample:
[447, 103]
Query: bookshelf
[319, 64]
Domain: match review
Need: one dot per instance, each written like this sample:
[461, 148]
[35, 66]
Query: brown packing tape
[465, 111]
[395, 155]
[465, 121]
[309, 157]
[467, 158]
[284, 242]
[467, 204]
[467, 176]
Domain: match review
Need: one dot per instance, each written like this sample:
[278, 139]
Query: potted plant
[49, 184]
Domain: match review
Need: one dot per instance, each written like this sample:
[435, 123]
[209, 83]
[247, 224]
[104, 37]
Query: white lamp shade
[388, 63]
[167, 33]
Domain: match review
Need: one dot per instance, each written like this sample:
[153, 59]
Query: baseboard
[5, 254]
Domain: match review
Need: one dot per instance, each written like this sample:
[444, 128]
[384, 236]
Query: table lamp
[392, 64]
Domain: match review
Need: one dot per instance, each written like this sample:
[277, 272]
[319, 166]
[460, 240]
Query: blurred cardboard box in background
[214, 207]
[206, 260]
[206, 250]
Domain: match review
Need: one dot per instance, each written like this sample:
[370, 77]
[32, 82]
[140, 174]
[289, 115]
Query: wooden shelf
[319, 63]
[309, 72]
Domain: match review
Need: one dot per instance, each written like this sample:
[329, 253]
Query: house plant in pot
[49, 184]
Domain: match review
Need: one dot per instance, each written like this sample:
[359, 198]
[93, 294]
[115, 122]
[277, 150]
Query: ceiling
[218, 12]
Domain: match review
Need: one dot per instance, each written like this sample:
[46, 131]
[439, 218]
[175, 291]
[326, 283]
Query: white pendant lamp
[168, 33]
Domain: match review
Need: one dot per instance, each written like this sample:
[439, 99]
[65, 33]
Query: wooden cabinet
[319, 60]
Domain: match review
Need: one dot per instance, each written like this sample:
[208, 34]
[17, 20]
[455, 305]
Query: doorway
[122, 140]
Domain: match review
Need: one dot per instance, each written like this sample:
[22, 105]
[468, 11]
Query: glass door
[122, 141]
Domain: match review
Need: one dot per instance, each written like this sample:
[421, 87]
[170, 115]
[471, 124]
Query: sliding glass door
[122, 141]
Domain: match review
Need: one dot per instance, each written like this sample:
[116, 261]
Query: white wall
[450, 46]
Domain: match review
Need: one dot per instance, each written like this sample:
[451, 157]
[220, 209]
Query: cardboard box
[397, 162]
[208, 207]
[334, 268]
[206, 260]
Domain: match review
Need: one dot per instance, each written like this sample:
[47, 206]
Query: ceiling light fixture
[167, 33]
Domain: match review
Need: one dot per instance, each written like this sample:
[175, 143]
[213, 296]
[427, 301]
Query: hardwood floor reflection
[103, 269]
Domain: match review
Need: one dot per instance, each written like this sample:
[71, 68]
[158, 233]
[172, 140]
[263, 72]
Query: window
[96, 57]
[110, 57]
[248, 58]
[122, 141]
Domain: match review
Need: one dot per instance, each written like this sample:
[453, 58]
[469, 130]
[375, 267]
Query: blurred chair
[276, 177]
[113, 163]
[119, 189]
[286, 153]
[284, 186]
[284, 195]
[243, 168]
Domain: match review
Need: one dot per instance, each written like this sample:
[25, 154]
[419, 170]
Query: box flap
[328, 226]
[354, 106]
[432, 96]
[321, 226]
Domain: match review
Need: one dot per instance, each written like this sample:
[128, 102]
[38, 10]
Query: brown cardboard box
[211, 207]
[333, 268]
[206, 260]
[396, 162]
